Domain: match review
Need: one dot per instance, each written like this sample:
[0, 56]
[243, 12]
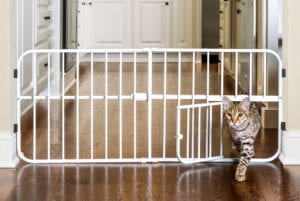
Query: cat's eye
[240, 114]
[228, 114]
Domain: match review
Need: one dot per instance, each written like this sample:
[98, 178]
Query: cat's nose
[234, 120]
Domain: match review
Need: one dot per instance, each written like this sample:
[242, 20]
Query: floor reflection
[170, 181]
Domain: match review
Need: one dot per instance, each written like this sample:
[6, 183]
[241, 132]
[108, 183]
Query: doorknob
[166, 3]
[238, 11]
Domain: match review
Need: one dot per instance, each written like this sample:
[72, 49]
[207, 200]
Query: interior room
[124, 99]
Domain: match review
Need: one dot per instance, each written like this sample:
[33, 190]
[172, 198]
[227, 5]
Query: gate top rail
[153, 50]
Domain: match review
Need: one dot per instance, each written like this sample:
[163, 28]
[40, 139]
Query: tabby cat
[243, 123]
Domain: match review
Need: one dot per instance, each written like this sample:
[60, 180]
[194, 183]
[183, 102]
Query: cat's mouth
[234, 125]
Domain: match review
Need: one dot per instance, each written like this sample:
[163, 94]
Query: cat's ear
[226, 103]
[245, 103]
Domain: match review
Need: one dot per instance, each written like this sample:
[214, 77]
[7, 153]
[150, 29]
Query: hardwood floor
[206, 182]
[156, 181]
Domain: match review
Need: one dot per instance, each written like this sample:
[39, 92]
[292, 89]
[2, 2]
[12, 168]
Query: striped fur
[243, 122]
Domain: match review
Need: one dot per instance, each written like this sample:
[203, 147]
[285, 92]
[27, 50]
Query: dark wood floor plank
[214, 181]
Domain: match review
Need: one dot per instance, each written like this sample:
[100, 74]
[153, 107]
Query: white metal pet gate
[128, 95]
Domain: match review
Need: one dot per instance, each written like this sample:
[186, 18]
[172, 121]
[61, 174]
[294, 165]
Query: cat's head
[236, 113]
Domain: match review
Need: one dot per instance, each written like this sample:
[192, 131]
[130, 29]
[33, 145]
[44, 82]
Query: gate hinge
[283, 126]
[15, 128]
[283, 73]
[15, 73]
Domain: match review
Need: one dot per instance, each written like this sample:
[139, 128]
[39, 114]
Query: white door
[111, 23]
[72, 24]
[183, 21]
[83, 26]
[152, 23]
[104, 24]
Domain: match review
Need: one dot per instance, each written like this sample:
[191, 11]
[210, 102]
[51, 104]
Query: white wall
[7, 88]
[291, 44]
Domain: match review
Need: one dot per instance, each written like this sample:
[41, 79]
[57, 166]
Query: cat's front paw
[240, 177]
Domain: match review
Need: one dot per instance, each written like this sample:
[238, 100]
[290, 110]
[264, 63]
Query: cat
[243, 123]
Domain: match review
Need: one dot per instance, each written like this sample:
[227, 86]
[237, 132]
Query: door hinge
[15, 128]
[15, 73]
[283, 126]
[283, 72]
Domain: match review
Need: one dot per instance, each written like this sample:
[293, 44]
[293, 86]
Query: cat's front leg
[246, 154]
[240, 173]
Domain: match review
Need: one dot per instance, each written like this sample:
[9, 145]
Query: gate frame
[150, 96]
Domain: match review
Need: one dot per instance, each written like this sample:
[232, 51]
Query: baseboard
[8, 150]
[290, 148]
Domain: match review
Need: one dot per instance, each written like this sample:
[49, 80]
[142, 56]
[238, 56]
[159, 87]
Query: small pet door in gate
[199, 132]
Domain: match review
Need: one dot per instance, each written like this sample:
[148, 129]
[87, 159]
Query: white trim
[8, 150]
[290, 148]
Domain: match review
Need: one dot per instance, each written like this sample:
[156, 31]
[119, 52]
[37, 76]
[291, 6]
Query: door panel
[152, 23]
[84, 22]
[183, 24]
[111, 23]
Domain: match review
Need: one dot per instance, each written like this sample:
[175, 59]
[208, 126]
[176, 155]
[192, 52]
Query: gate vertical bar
[48, 106]
[165, 105]
[178, 128]
[121, 107]
[221, 130]
[77, 105]
[178, 101]
[210, 131]
[236, 74]
[179, 79]
[250, 74]
[207, 77]
[221, 108]
[106, 107]
[222, 74]
[199, 132]
[134, 106]
[34, 105]
[63, 107]
[207, 97]
[92, 106]
[265, 74]
[206, 133]
[150, 104]
[188, 133]
[193, 102]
